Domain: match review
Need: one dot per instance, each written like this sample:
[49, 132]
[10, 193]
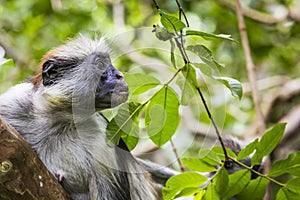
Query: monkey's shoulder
[16, 105]
[16, 94]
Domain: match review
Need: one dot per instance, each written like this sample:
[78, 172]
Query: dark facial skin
[112, 89]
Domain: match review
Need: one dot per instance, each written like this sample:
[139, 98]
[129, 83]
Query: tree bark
[22, 173]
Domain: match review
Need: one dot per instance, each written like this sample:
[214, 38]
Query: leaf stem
[181, 11]
[156, 4]
[127, 120]
[182, 49]
[173, 77]
[256, 172]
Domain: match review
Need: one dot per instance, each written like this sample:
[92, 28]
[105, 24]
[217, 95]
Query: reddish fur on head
[37, 79]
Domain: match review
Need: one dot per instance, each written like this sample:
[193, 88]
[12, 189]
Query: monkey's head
[80, 74]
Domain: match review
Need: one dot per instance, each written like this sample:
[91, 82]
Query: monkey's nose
[119, 75]
[113, 72]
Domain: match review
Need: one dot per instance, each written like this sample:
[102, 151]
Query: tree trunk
[22, 174]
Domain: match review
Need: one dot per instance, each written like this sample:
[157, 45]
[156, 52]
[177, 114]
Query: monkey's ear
[49, 72]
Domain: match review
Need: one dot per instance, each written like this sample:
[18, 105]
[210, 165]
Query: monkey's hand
[60, 175]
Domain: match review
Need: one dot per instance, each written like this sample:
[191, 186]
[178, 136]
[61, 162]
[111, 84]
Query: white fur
[19, 91]
[82, 47]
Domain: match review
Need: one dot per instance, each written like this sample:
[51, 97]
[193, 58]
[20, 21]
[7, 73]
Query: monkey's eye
[49, 72]
[100, 62]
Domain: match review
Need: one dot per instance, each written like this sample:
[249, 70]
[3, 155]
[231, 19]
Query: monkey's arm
[159, 174]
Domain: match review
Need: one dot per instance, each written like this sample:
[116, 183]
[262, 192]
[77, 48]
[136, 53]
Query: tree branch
[250, 69]
[23, 176]
[253, 14]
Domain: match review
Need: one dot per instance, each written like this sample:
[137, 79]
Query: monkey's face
[90, 81]
[111, 89]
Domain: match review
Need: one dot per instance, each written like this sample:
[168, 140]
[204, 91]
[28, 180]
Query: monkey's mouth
[111, 98]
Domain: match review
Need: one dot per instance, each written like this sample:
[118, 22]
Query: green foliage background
[29, 28]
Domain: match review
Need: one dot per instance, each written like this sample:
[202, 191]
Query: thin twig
[182, 12]
[156, 4]
[182, 50]
[180, 45]
[182, 169]
[260, 121]
[176, 73]
[213, 123]
[250, 68]
[256, 172]
[183, 53]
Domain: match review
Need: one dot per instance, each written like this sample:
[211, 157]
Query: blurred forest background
[30, 28]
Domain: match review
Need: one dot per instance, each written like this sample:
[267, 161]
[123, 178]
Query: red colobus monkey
[56, 111]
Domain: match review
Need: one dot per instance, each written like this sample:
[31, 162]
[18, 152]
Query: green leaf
[188, 90]
[233, 85]
[218, 150]
[171, 23]
[131, 139]
[294, 185]
[268, 142]
[188, 192]
[179, 182]
[2, 53]
[7, 67]
[190, 74]
[172, 54]
[209, 157]
[209, 36]
[221, 181]
[200, 194]
[211, 193]
[237, 181]
[109, 114]
[162, 117]
[286, 194]
[113, 133]
[245, 152]
[204, 68]
[139, 83]
[6, 62]
[188, 86]
[290, 165]
[196, 164]
[205, 55]
[291, 191]
[255, 190]
[124, 124]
